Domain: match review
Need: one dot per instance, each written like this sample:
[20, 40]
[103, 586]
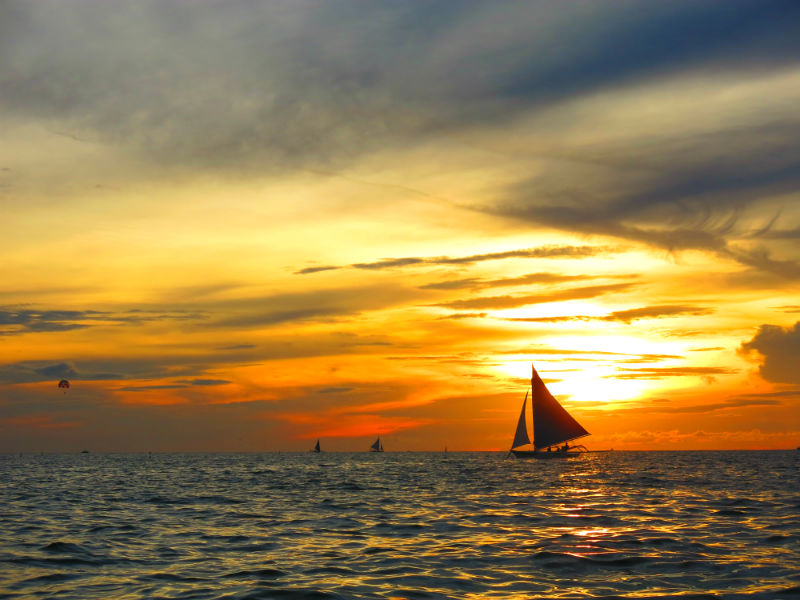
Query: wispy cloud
[625, 316]
[394, 263]
[20, 321]
[502, 302]
[521, 280]
[663, 372]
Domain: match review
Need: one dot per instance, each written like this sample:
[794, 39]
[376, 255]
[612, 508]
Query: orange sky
[248, 229]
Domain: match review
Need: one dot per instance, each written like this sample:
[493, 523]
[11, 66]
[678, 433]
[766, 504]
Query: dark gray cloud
[462, 315]
[245, 82]
[780, 349]
[540, 252]
[15, 321]
[209, 382]
[238, 347]
[700, 194]
[271, 310]
[184, 362]
[57, 371]
[43, 370]
[150, 388]
[335, 390]
[242, 85]
[792, 392]
[25, 320]
[779, 234]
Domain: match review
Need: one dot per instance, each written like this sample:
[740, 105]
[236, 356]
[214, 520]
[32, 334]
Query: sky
[244, 226]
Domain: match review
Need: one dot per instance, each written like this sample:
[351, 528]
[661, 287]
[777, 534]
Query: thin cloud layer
[394, 263]
[243, 82]
[503, 302]
[661, 372]
[625, 316]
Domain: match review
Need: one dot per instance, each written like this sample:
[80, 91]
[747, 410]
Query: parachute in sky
[64, 384]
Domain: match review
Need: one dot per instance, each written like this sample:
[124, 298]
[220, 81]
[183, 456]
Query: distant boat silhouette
[316, 447]
[552, 425]
[377, 446]
[84, 452]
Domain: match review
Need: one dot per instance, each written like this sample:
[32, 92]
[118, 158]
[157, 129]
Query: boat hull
[544, 455]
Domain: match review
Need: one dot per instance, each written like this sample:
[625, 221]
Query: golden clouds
[301, 236]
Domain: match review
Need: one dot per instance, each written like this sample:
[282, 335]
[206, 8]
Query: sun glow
[586, 368]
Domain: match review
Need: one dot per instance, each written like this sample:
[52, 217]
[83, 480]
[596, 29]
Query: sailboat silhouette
[552, 425]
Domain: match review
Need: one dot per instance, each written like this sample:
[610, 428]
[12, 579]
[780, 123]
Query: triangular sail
[551, 423]
[376, 446]
[316, 448]
[521, 436]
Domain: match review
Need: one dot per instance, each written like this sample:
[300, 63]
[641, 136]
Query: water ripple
[466, 525]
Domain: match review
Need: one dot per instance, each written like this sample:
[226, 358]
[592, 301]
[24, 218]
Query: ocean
[400, 525]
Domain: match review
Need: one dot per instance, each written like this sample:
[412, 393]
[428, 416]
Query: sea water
[400, 525]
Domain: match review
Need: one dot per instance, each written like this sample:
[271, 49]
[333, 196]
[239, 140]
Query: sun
[586, 368]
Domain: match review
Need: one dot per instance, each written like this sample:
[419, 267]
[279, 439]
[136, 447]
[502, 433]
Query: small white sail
[521, 437]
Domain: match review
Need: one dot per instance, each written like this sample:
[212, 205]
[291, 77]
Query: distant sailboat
[377, 446]
[552, 425]
[316, 447]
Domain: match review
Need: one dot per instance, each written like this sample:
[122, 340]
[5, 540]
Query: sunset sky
[247, 225]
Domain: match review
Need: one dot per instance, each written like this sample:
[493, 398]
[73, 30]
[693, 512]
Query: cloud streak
[625, 316]
[410, 261]
[663, 372]
[503, 302]
[20, 321]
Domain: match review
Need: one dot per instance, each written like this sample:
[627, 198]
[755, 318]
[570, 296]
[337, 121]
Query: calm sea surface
[400, 525]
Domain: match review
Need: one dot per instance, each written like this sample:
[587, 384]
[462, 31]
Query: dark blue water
[462, 525]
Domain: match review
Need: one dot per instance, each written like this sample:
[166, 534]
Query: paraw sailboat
[552, 426]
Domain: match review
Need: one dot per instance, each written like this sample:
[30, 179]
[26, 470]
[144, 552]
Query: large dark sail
[551, 423]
